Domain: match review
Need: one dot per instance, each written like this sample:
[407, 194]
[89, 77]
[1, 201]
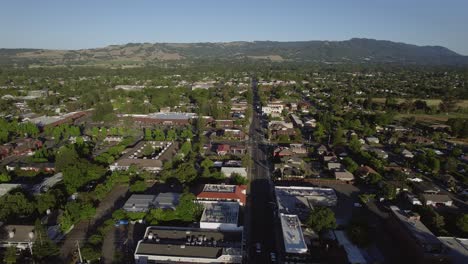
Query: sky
[79, 24]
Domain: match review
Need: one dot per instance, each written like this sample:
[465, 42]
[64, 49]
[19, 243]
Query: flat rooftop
[458, 249]
[189, 242]
[6, 187]
[292, 234]
[416, 228]
[300, 200]
[219, 188]
[220, 212]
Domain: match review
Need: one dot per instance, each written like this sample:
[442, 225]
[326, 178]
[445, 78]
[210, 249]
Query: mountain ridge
[355, 50]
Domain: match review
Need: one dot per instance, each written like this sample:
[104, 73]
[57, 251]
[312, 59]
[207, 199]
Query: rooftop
[223, 192]
[292, 234]
[220, 212]
[416, 228]
[300, 200]
[6, 187]
[189, 242]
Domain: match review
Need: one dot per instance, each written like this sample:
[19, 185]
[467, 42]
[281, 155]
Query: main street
[260, 218]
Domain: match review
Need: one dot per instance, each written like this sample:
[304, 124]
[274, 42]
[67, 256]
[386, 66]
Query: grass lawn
[429, 102]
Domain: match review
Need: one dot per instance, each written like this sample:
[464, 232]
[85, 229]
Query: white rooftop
[219, 188]
[6, 187]
[292, 234]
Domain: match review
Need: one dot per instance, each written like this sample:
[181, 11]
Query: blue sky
[63, 24]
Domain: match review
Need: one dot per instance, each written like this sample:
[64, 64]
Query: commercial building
[457, 249]
[300, 200]
[159, 118]
[220, 215]
[223, 192]
[188, 245]
[415, 237]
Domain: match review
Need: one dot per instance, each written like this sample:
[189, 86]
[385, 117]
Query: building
[222, 192]
[273, 109]
[228, 171]
[437, 199]
[300, 200]
[293, 238]
[19, 236]
[46, 167]
[145, 202]
[188, 245]
[220, 216]
[343, 175]
[372, 140]
[52, 121]
[130, 87]
[7, 187]
[153, 162]
[139, 203]
[296, 120]
[165, 119]
[421, 244]
[457, 249]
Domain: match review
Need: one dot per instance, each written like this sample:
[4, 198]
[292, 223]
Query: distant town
[252, 162]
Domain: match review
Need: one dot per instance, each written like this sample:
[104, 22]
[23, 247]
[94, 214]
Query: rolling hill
[350, 51]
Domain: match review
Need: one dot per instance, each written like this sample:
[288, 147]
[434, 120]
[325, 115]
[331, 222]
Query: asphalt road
[260, 223]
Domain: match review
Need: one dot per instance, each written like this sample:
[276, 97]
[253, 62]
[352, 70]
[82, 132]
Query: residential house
[437, 199]
[20, 236]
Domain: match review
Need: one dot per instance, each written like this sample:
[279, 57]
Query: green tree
[138, 186]
[338, 137]
[238, 179]
[43, 248]
[319, 132]
[10, 255]
[4, 177]
[46, 201]
[350, 164]
[354, 144]
[321, 218]
[462, 223]
[15, 205]
[159, 135]
[171, 135]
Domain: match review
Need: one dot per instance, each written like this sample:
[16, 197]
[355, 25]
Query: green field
[429, 102]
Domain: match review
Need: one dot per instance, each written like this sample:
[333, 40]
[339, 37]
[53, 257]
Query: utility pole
[79, 251]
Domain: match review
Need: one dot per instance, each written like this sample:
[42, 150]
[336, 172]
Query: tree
[186, 148]
[138, 187]
[338, 137]
[373, 178]
[319, 132]
[148, 134]
[321, 218]
[238, 179]
[350, 164]
[171, 135]
[354, 144]
[158, 135]
[46, 201]
[4, 177]
[462, 223]
[43, 247]
[15, 205]
[10, 255]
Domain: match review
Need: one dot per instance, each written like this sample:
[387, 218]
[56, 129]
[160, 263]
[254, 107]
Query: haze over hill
[350, 51]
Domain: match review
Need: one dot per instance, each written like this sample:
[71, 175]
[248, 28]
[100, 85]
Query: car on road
[258, 248]
[273, 257]
[121, 222]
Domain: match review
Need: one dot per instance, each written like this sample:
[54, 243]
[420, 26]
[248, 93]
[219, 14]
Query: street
[260, 225]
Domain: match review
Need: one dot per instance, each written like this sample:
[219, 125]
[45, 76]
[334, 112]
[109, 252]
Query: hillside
[349, 51]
